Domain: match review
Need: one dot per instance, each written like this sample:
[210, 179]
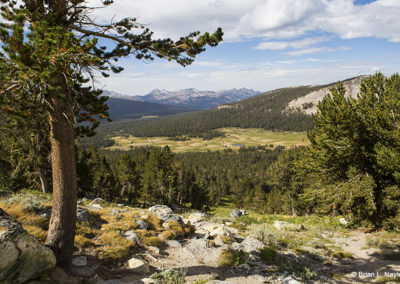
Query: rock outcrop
[22, 256]
[235, 213]
[138, 265]
[82, 214]
[160, 210]
[197, 217]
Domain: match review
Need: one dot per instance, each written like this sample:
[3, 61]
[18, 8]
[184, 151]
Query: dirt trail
[368, 264]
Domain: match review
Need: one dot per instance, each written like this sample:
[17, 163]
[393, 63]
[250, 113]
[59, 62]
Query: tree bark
[60, 237]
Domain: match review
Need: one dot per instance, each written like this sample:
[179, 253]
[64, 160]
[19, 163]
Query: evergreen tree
[129, 179]
[50, 51]
[356, 148]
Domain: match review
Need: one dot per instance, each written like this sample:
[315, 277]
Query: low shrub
[230, 257]
[170, 276]
[268, 254]
[379, 243]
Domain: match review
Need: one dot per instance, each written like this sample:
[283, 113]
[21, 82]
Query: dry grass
[39, 233]
[82, 242]
[114, 247]
[342, 254]
[152, 241]
[176, 231]
[155, 223]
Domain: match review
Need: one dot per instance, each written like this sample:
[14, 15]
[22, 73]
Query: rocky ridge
[308, 104]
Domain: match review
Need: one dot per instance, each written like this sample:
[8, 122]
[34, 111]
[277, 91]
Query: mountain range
[189, 98]
[285, 109]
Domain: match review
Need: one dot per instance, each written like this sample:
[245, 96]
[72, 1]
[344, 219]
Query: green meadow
[234, 139]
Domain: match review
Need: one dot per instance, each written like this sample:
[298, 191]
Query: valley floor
[234, 139]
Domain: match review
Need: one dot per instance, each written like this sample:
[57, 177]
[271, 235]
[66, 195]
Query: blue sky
[268, 44]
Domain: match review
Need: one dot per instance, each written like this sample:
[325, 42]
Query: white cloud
[261, 76]
[275, 45]
[262, 18]
[316, 50]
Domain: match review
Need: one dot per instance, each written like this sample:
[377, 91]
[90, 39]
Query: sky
[268, 44]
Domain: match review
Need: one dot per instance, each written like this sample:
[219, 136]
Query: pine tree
[50, 52]
[356, 142]
[129, 179]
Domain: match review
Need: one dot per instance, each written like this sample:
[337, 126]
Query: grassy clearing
[233, 136]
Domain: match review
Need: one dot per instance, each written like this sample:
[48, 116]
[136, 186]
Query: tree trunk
[60, 237]
[294, 213]
[43, 181]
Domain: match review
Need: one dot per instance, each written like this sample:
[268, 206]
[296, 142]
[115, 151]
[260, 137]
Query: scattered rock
[249, 245]
[97, 200]
[131, 236]
[343, 221]
[245, 266]
[220, 231]
[138, 265]
[235, 213]
[228, 223]
[142, 224]
[145, 217]
[219, 282]
[83, 271]
[197, 217]
[153, 250]
[171, 217]
[115, 212]
[166, 225]
[281, 225]
[96, 204]
[82, 214]
[111, 281]
[79, 202]
[159, 210]
[95, 207]
[174, 244]
[79, 261]
[142, 212]
[45, 213]
[22, 256]
[196, 247]
[209, 227]
[117, 281]
[290, 280]
[219, 241]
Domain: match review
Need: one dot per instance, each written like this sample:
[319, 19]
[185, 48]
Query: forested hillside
[123, 109]
[264, 111]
